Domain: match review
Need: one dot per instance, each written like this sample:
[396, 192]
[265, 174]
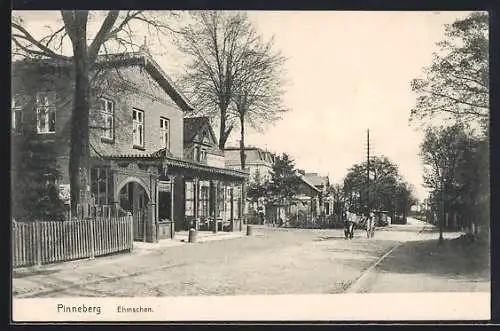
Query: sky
[348, 72]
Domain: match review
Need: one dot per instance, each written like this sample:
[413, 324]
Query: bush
[35, 195]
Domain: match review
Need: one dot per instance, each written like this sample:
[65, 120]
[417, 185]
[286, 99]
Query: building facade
[139, 161]
[322, 183]
[259, 162]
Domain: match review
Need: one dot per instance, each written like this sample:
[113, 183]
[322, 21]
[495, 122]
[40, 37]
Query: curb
[359, 282]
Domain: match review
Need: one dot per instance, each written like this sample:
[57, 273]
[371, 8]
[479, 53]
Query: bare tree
[116, 30]
[456, 83]
[217, 45]
[259, 89]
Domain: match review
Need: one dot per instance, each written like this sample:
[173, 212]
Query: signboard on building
[164, 186]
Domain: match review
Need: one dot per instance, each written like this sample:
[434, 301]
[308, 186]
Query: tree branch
[43, 50]
[102, 35]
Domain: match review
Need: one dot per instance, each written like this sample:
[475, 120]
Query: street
[271, 261]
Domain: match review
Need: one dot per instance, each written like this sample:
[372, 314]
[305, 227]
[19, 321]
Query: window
[189, 198]
[204, 199]
[46, 112]
[17, 115]
[138, 134]
[200, 154]
[236, 203]
[196, 153]
[221, 198]
[227, 200]
[107, 111]
[101, 185]
[164, 132]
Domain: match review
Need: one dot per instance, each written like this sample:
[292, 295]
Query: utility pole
[368, 171]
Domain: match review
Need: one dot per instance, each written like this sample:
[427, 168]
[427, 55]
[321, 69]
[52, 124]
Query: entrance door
[133, 198]
[165, 205]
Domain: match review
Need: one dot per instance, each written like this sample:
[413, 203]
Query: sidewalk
[21, 276]
[182, 238]
[423, 266]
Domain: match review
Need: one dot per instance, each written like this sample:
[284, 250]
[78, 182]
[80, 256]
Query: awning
[170, 161]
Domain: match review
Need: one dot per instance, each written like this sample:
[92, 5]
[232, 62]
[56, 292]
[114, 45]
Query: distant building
[200, 142]
[321, 183]
[259, 162]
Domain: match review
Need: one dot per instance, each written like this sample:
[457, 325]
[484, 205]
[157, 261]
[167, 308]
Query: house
[322, 183]
[258, 161]
[306, 201]
[201, 147]
[139, 159]
[259, 165]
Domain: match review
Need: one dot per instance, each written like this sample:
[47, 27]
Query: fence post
[38, 244]
[14, 236]
[131, 225]
[144, 224]
[92, 238]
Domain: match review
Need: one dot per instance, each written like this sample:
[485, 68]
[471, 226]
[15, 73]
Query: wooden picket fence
[84, 211]
[38, 243]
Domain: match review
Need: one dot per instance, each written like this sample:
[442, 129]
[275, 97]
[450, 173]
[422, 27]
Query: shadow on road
[455, 258]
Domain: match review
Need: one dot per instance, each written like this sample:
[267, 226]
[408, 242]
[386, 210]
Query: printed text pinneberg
[83, 308]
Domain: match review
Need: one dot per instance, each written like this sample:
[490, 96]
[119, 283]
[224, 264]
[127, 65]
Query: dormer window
[46, 112]
[200, 154]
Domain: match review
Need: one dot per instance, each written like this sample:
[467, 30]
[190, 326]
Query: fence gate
[140, 224]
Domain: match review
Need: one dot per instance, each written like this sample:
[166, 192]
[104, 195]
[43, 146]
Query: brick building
[139, 159]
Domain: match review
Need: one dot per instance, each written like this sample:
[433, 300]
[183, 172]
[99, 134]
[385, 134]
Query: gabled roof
[194, 125]
[316, 179]
[142, 58]
[308, 183]
[253, 154]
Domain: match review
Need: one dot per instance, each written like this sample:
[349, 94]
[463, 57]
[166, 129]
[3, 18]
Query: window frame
[136, 123]
[200, 153]
[165, 131]
[105, 114]
[17, 114]
[101, 185]
[204, 200]
[196, 152]
[50, 109]
[203, 154]
[190, 193]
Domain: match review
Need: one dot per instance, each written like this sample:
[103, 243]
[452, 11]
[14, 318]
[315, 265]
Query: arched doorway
[134, 198]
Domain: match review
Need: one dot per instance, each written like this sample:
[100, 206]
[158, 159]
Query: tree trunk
[79, 151]
[223, 134]
[242, 143]
[441, 230]
[242, 158]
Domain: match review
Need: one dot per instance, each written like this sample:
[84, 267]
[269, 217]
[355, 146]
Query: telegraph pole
[368, 170]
